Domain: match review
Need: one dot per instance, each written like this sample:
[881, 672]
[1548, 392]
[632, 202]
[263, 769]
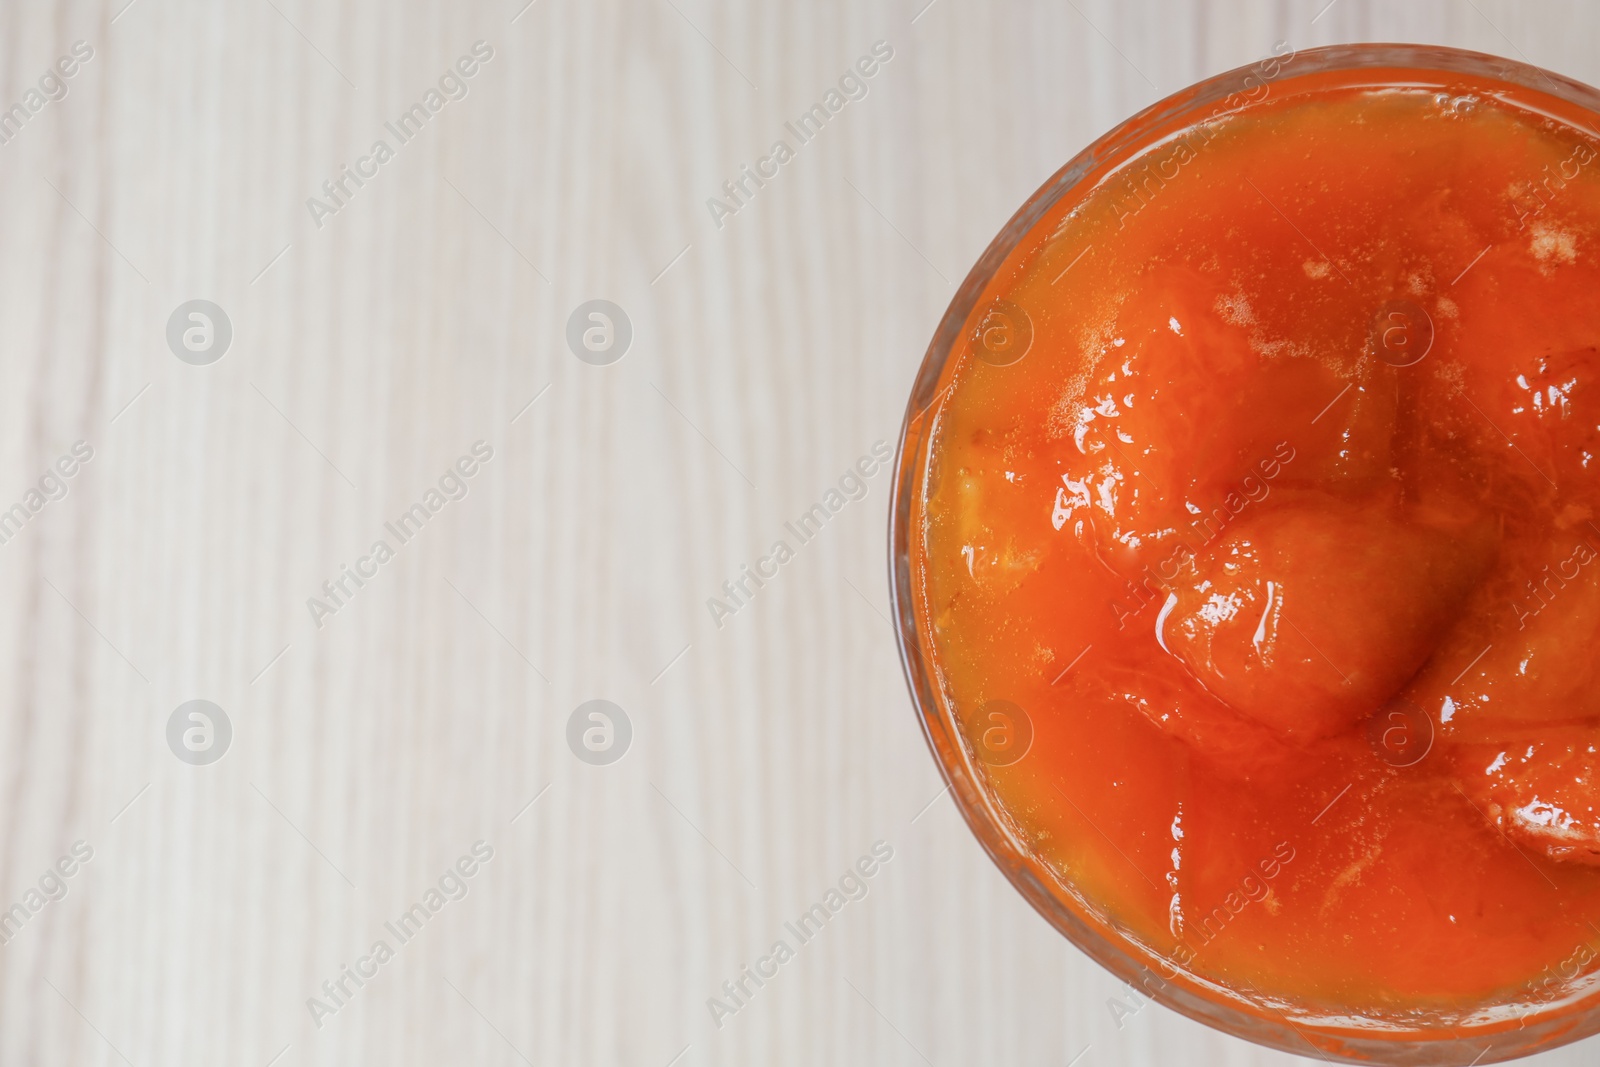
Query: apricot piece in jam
[1307, 616]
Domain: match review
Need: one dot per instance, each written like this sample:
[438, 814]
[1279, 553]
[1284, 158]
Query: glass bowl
[1490, 1034]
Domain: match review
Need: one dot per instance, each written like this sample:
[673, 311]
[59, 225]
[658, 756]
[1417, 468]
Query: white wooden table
[376, 740]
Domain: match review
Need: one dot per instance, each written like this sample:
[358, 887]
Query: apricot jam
[1258, 547]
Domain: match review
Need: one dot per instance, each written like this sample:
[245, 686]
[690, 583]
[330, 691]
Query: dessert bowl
[1240, 542]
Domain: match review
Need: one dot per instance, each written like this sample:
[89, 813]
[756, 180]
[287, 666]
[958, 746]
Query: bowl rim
[1348, 1039]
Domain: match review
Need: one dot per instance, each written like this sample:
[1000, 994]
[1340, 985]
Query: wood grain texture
[432, 707]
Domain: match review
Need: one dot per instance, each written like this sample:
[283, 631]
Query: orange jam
[1259, 548]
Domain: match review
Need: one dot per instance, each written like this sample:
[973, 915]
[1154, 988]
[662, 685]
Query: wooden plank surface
[372, 346]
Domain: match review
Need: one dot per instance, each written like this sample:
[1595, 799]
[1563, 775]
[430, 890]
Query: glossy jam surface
[1259, 549]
